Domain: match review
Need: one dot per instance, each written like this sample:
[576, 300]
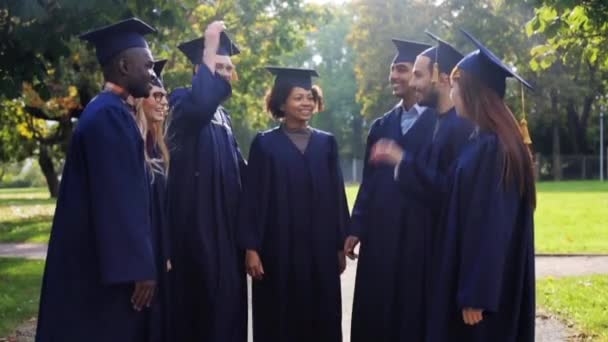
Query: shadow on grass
[20, 282]
[31, 229]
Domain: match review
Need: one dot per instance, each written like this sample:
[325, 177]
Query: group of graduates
[160, 218]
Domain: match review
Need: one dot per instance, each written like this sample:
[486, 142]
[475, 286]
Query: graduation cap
[293, 77]
[488, 68]
[193, 49]
[493, 72]
[111, 40]
[158, 69]
[407, 50]
[443, 56]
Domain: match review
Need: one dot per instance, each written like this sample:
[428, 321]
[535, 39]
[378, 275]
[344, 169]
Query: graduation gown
[424, 175]
[294, 215]
[485, 254]
[100, 240]
[389, 289]
[209, 297]
[159, 315]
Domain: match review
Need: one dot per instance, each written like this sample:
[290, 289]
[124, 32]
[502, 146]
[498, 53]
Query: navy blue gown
[159, 321]
[101, 239]
[209, 297]
[389, 290]
[294, 215]
[485, 253]
[424, 174]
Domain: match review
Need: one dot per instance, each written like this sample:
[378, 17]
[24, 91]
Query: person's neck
[408, 102]
[444, 104]
[116, 89]
[293, 125]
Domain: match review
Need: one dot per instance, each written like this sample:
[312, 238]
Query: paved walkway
[23, 250]
[548, 329]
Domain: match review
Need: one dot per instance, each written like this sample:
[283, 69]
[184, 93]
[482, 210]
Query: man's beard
[431, 100]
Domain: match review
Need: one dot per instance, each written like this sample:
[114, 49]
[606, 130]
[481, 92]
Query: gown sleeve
[255, 204]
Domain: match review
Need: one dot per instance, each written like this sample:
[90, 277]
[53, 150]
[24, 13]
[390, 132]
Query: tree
[328, 52]
[53, 75]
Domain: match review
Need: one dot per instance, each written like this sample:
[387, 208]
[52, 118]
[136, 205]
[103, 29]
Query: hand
[143, 294]
[341, 261]
[253, 264]
[386, 151]
[212, 35]
[472, 316]
[212, 43]
[349, 247]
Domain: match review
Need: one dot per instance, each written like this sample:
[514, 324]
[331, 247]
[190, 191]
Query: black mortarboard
[158, 70]
[444, 54]
[407, 51]
[194, 49]
[293, 77]
[488, 68]
[110, 40]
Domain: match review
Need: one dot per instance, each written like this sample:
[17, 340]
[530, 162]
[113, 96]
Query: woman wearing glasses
[151, 113]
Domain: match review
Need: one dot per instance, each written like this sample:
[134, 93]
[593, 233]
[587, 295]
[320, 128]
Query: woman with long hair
[482, 271]
[150, 114]
[293, 219]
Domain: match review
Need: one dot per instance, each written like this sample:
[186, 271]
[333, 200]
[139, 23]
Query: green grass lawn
[583, 301]
[25, 215]
[572, 217]
[19, 292]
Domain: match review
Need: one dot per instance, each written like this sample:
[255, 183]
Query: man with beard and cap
[482, 284]
[421, 175]
[209, 297]
[428, 167]
[389, 287]
[100, 270]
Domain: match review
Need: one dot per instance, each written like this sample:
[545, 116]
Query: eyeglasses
[159, 96]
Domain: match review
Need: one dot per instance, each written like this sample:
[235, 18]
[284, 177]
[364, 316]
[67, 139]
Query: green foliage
[49, 75]
[328, 51]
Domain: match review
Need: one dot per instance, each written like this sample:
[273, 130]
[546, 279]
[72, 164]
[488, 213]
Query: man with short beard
[389, 286]
[100, 269]
[422, 175]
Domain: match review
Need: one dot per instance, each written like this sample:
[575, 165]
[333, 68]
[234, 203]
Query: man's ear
[123, 65]
[444, 80]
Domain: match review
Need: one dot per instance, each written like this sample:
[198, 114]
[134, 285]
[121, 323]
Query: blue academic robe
[485, 253]
[101, 239]
[424, 174]
[389, 289]
[209, 298]
[294, 215]
[159, 315]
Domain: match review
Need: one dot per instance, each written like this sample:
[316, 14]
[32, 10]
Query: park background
[47, 76]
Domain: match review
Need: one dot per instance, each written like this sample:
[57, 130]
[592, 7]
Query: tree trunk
[48, 169]
[557, 162]
[577, 124]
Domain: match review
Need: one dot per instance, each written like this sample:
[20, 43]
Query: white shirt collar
[419, 109]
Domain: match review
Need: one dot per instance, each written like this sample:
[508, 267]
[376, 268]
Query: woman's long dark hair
[488, 110]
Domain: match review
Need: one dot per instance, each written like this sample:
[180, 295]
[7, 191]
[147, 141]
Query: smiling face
[155, 105]
[426, 93]
[299, 105]
[400, 77]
